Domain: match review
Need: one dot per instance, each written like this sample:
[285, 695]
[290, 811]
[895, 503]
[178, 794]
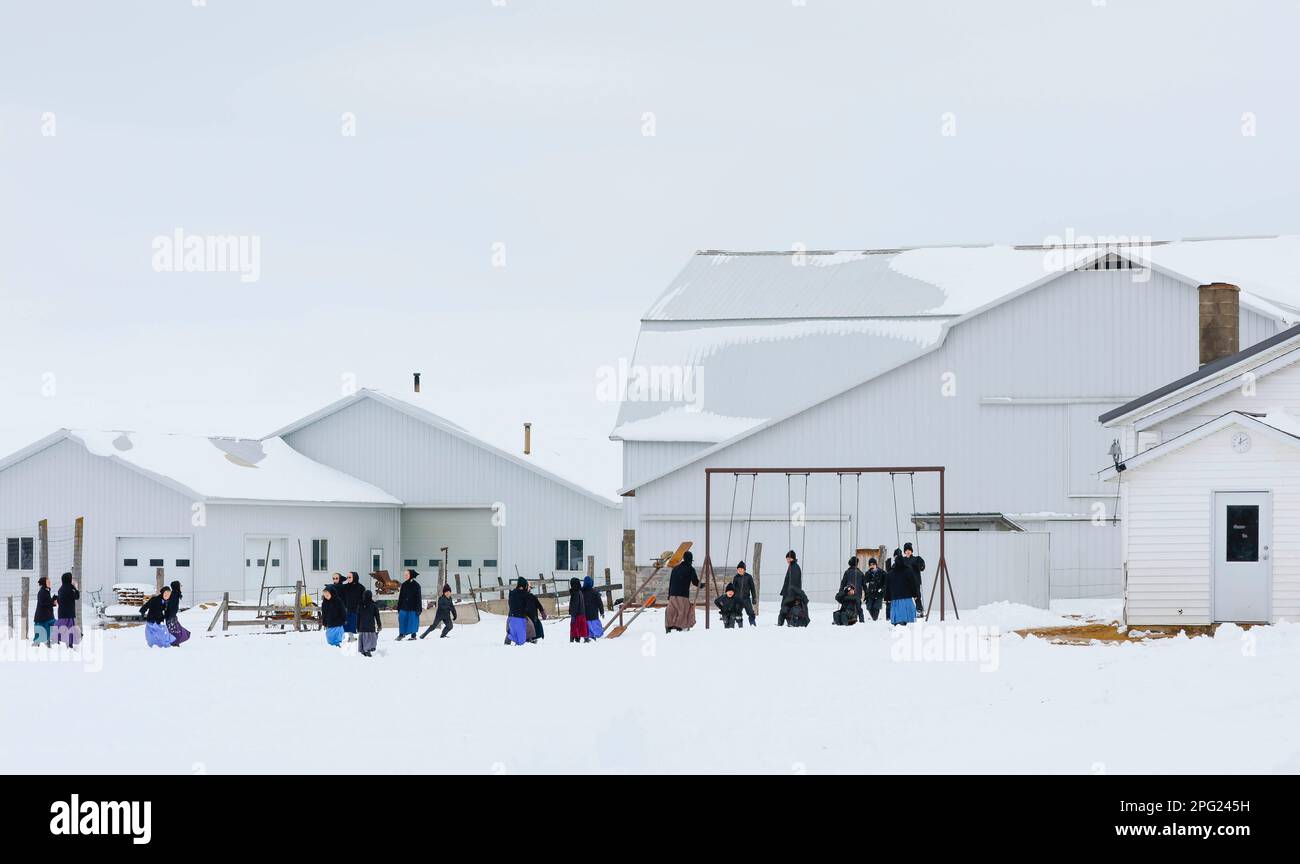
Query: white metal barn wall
[991, 566]
[65, 481]
[1021, 372]
[424, 466]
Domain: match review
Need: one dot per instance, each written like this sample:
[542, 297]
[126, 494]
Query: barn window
[130, 562]
[490, 562]
[568, 554]
[320, 555]
[464, 562]
[20, 553]
[275, 562]
[182, 562]
[434, 562]
[261, 562]
[156, 562]
[409, 562]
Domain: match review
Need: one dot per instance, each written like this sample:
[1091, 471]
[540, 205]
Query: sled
[618, 631]
[384, 584]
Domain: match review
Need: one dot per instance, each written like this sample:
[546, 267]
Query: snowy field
[967, 697]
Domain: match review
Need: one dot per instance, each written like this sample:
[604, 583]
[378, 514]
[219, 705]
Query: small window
[156, 562]
[410, 562]
[490, 562]
[434, 562]
[261, 562]
[464, 562]
[182, 562]
[320, 556]
[248, 562]
[568, 555]
[20, 553]
[1243, 532]
[130, 562]
[376, 560]
[275, 562]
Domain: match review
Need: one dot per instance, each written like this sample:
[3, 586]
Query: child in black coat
[731, 608]
[446, 614]
[847, 614]
[368, 625]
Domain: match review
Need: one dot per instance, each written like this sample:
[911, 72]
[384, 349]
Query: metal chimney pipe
[417, 381]
[528, 438]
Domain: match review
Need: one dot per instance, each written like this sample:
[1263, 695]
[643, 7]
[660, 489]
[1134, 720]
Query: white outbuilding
[1210, 492]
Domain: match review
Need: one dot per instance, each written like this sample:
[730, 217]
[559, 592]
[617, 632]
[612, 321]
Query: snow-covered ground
[968, 696]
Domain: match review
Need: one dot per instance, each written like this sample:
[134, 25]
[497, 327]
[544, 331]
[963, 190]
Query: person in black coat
[746, 592]
[855, 577]
[681, 612]
[445, 615]
[850, 606]
[333, 615]
[730, 607]
[794, 603]
[66, 623]
[593, 608]
[519, 606]
[154, 610]
[410, 603]
[536, 612]
[368, 624]
[916, 564]
[900, 585]
[577, 612]
[173, 612]
[351, 594]
[43, 619]
[874, 590]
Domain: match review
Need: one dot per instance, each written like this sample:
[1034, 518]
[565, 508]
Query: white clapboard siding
[1281, 387]
[991, 566]
[1169, 526]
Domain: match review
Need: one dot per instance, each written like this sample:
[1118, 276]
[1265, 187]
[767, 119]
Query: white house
[371, 482]
[992, 361]
[1209, 480]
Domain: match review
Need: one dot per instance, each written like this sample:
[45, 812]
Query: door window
[1243, 532]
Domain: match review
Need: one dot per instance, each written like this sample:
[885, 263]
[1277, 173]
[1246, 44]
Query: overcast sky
[477, 123]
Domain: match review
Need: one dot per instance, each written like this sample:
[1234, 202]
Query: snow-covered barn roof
[545, 463]
[772, 334]
[221, 469]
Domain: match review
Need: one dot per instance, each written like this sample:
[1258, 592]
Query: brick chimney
[1220, 328]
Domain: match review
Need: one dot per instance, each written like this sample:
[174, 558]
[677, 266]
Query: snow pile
[971, 696]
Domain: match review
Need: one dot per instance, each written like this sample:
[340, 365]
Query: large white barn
[370, 482]
[992, 361]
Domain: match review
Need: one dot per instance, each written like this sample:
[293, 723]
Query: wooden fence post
[502, 586]
[10, 598]
[43, 531]
[609, 591]
[225, 611]
[458, 583]
[27, 591]
[158, 580]
[78, 541]
[297, 605]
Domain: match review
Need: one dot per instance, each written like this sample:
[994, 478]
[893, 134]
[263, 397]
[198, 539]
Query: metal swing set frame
[942, 582]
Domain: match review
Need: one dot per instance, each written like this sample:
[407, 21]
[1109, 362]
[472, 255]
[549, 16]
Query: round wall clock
[1240, 442]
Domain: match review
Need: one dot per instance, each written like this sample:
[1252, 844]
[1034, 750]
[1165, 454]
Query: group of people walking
[896, 587]
[526, 613]
[55, 616]
[349, 612]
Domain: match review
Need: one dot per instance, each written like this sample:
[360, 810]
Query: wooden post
[78, 544]
[10, 598]
[43, 531]
[457, 583]
[158, 580]
[266, 564]
[221, 607]
[27, 598]
[502, 586]
[629, 571]
[757, 561]
[297, 602]
[609, 591]
[225, 611]
[442, 573]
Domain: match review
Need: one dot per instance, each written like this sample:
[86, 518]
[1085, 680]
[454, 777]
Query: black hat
[907, 547]
[731, 587]
[853, 562]
[67, 578]
[687, 556]
[367, 596]
[329, 586]
[871, 561]
[176, 585]
[413, 572]
[791, 555]
[521, 582]
[446, 589]
[740, 566]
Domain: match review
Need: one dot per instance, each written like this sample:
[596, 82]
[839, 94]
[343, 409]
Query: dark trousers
[444, 620]
[748, 605]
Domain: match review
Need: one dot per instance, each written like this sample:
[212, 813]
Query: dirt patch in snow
[1101, 632]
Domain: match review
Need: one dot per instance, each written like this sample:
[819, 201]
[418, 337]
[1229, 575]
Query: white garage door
[138, 560]
[468, 533]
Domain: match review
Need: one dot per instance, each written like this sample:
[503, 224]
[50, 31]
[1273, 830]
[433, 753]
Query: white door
[1242, 539]
[257, 560]
[138, 560]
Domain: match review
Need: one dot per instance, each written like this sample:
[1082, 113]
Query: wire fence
[29, 553]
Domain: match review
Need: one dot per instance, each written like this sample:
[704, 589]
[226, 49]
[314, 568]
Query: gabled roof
[1286, 340]
[215, 469]
[422, 415]
[1279, 424]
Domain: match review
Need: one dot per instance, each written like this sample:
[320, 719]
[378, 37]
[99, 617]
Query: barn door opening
[1243, 539]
